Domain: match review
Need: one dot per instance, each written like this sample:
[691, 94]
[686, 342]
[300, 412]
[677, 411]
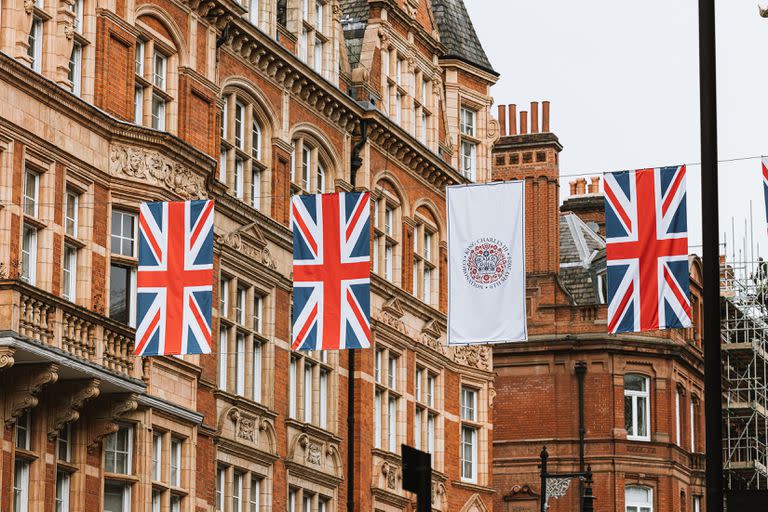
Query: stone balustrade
[79, 332]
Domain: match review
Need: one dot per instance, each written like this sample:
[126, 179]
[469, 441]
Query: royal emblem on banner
[486, 263]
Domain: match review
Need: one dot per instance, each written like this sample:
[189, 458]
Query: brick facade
[171, 100]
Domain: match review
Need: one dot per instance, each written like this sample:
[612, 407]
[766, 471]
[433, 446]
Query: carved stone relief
[313, 454]
[156, 169]
[68, 408]
[25, 388]
[260, 253]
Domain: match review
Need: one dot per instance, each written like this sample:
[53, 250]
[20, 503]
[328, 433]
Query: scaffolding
[744, 333]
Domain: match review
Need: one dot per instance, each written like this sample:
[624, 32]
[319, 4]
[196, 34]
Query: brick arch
[264, 110]
[166, 21]
[427, 208]
[324, 146]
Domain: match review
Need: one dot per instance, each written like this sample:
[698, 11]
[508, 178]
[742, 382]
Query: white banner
[486, 263]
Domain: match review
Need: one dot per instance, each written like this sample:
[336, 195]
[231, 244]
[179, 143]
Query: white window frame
[32, 199]
[61, 499]
[377, 407]
[239, 125]
[177, 446]
[23, 435]
[71, 198]
[138, 104]
[240, 363]
[64, 441]
[76, 68]
[158, 112]
[221, 481]
[69, 269]
[35, 41]
[157, 456]
[392, 424]
[693, 425]
[21, 489]
[469, 160]
[636, 396]
[254, 499]
[122, 236]
[258, 312]
[138, 65]
[253, 12]
[240, 299]
[222, 350]
[469, 436]
[128, 453]
[323, 405]
[468, 121]
[160, 77]
[308, 389]
[256, 187]
[632, 505]
[257, 371]
[678, 431]
[29, 253]
[237, 492]
[293, 388]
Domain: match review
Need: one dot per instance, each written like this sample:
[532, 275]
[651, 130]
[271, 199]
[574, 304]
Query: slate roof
[582, 258]
[457, 33]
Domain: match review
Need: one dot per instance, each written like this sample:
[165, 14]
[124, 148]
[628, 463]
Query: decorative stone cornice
[256, 250]
[24, 386]
[74, 395]
[153, 168]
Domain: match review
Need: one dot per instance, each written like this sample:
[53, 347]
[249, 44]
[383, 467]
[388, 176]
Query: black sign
[417, 476]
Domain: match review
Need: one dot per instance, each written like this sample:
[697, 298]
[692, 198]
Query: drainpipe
[581, 371]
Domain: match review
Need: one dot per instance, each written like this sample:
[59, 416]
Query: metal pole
[711, 255]
[351, 433]
[581, 372]
[544, 456]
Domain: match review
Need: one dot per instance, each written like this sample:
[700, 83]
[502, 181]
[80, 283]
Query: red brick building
[105, 105]
[643, 407]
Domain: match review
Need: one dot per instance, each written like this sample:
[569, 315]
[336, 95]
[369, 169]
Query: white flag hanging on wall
[486, 263]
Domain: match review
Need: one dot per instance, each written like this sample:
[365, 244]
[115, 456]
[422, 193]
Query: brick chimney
[587, 202]
[530, 153]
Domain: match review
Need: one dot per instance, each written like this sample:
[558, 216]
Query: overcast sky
[623, 81]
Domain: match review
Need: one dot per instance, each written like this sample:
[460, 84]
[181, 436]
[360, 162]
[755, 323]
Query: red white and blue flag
[331, 271]
[647, 250]
[175, 278]
[765, 184]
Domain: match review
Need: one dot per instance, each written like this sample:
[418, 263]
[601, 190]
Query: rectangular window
[64, 443]
[431, 390]
[319, 16]
[224, 119]
[303, 43]
[70, 272]
[221, 477]
[377, 365]
[636, 407]
[392, 425]
[426, 289]
[123, 236]
[239, 125]
[139, 64]
[375, 254]
[75, 73]
[431, 433]
[417, 387]
[237, 492]
[156, 501]
[678, 432]
[157, 457]
[20, 486]
[377, 420]
[468, 159]
[308, 392]
[70, 213]
[317, 59]
[388, 262]
[138, 104]
[29, 255]
[176, 462]
[415, 277]
[35, 41]
[253, 12]
[693, 427]
[306, 503]
[392, 372]
[159, 71]
[468, 404]
[121, 285]
[696, 504]
[399, 71]
[31, 192]
[254, 501]
[223, 297]
[257, 312]
[118, 450]
[417, 428]
[158, 112]
[388, 221]
[175, 503]
[468, 121]
[423, 128]
[398, 108]
[320, 178]
[385, 63]
[256, 188]
[117, 496]
[293, 388]
[62, 491]
[323, 398]
[223, 337]
[77, 8]
[306, 156]
[24, 431]
[468, 453]
[240, 364]
[257, 369]
[240, 306]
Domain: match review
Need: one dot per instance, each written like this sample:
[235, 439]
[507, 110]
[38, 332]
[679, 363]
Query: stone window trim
[155, 45]
[322, 406]
[243, 152]
[426, 260]
[481, 424]
[243, 341]
[173, 480]
[233, 467]
[313, 170]
[387, 234]
[429, 402]
[300, 488]
[389, 394]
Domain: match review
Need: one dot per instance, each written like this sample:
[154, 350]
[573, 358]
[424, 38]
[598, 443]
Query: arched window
[426, 238]
[241, 165]
[311, 170]
[638, 499]
[637, 407]
[157, 61]
[387, 232]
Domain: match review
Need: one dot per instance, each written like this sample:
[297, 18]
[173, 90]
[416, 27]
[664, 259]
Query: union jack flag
[175, 278]
[647, 250]
[765, 184]
[331, 271]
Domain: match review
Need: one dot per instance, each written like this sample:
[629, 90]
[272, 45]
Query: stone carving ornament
[313, 454]
[156, 169]
[556, 488]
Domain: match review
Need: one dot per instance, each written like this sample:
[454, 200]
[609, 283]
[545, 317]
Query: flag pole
[710, 256]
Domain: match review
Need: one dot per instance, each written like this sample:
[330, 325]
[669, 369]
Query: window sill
[34, 222]
[119, 477]
[471, 486]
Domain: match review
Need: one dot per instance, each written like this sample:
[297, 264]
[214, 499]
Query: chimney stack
[523, 123]
[503, 120]
[581, 186]
[534, 117]
[545, 116]
[594, 185]
[512, 119]
[573, 187]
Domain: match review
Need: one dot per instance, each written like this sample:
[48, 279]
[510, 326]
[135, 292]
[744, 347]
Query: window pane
[628, 421]
[115, 497]
[635, 383]
[119, 293]
[642, 416]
